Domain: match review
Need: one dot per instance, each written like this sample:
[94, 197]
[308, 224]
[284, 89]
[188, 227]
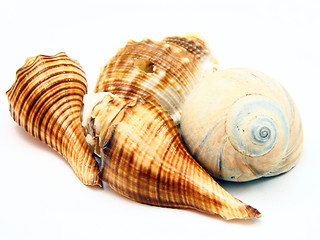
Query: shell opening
[144, 65]
[91, 124]
[89, 102]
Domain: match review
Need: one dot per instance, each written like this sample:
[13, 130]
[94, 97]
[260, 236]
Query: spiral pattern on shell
[166, 70]
[46, 100]
[247, 126]
[253, 126]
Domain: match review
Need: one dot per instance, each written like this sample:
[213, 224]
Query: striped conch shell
[241, 124]
[166, 70]
[46, 100]
[143, 158]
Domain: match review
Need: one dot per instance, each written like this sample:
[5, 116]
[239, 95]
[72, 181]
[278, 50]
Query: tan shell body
[166, 70]
[144, 159]
[46, 100]
[241, 124]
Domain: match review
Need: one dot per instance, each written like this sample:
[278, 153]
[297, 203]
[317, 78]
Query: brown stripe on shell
[52, 99]
[145, 160]
[38, 63]
[158, 55]
[46, 100]
[170, 68]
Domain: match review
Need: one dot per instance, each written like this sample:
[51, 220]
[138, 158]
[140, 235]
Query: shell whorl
[46, 100]
[258, 129]
[166, 70]
[255, 124]
[144, 159]
[247, 126]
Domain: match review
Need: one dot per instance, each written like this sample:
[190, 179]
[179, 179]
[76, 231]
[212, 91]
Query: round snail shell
[143, 158]
[241, 124]
[166, 70]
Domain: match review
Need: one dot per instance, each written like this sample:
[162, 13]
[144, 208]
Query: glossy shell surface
[166, 70]
[46, 100]
[143, 158]
[241, 124]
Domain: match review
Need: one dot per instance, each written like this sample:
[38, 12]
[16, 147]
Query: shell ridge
[57, 117]
[52, 113]
[44, 105]
[48, 90]
[198, 50]
[43, 71]
[38, 84]
[221, 154]
[42, 108]
[175, 70]
[63, 126]
[164, 66]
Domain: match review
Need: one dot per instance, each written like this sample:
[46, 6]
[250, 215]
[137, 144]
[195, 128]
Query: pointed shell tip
[252, 212]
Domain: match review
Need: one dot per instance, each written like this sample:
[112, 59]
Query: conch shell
[143, 158]
[241, 124]
[46, 100]
[166, 70]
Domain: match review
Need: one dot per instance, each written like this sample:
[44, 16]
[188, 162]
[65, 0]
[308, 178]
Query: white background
[40, 196]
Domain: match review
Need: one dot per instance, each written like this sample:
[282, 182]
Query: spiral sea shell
[166, 70]
[46, 100]
[143, 158]
[247, 126]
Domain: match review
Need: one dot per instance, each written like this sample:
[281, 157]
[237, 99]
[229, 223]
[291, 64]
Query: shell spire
[166, 70]
[46, 100]
[143, 158]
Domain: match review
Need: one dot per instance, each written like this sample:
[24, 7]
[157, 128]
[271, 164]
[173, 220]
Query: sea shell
[143, 158]
[166, 70]
[241, 124]
[46, 100]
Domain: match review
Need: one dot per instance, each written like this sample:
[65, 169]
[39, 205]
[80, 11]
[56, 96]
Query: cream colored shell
[241, 124]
